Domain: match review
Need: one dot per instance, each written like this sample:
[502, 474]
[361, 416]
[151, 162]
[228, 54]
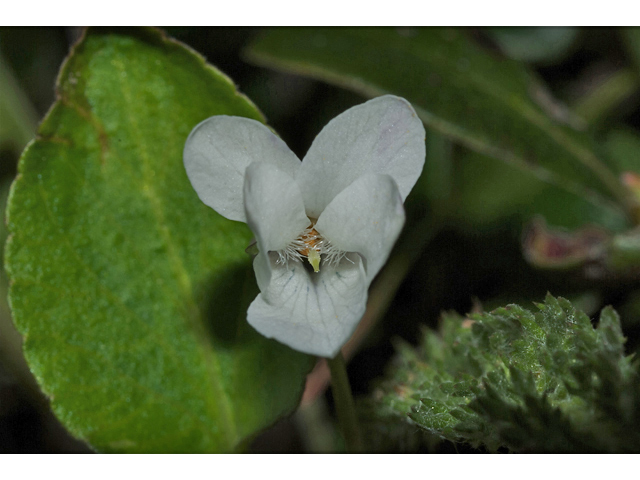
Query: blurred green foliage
[535, 45]
[494, 106]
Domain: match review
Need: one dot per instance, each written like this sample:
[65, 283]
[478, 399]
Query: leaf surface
[131, 294]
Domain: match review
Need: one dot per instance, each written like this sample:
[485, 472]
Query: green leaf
[630, 37]
[4, 193]
[623, 147]
[534, 44]
[130, 293]
[492, 105]
[11, 355]
[610, 92]
[543, 381]
[18, 118]
[489, 191]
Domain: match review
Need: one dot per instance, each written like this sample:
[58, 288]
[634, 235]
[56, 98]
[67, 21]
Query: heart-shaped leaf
[130, 293]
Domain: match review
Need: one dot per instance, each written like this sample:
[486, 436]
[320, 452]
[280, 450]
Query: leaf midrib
[221, 409]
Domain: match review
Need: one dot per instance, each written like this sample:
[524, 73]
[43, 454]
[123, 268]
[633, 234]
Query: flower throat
[310, 244]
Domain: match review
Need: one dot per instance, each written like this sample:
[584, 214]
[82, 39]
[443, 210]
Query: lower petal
[314, 313]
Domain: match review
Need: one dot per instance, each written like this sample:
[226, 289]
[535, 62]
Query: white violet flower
[324, 226]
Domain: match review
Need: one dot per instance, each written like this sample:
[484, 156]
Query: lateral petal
[383, 135]
[314, 313]
[217, 152]
[366, 218]
[273, 207]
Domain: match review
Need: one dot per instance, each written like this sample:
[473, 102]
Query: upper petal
[312, 313]
[217, 152]
[383, 135]
[366, 217]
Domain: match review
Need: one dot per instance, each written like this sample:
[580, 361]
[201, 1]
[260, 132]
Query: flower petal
[273, 209]
[366, 218]
[383, 135]
[219, 150]
[314, 313]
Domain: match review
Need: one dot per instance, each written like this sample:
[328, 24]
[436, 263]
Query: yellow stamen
[314, 259]
[311, 245]
[311, 250]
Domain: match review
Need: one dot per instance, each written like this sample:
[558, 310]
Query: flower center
[310, 244]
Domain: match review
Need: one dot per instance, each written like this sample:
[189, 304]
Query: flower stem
[344, 404]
